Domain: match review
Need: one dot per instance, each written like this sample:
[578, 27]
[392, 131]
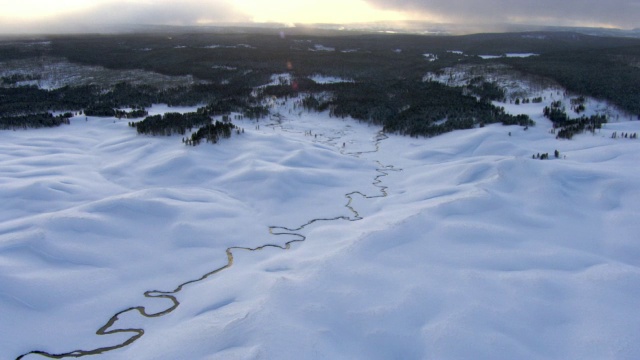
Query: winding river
[137, 333]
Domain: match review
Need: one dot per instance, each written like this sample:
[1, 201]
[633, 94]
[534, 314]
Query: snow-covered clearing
[476, 251]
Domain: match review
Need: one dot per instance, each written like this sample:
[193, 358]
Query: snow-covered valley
[454, 247]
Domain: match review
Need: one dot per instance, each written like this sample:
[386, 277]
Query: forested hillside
[385, 72]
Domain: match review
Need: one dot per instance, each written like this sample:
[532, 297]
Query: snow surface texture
[466, 248]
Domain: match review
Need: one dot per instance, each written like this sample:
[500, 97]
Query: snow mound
[458, 246]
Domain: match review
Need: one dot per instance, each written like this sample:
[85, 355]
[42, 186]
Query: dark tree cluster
[577, 126]
[16, 78]
[256, 112]
[414, 108]
[171, 123]
[385, 69]
[33, 121]
[528, 100]
[198, 94]
[100, 110]
[487, 91]
[225, 106]
[133, 114]
[212, 133]
[555, 113]
[24, 100]
[18, 102]
[544, 156]
[612, 74]
[577, 104]
[567, 127]
[177, 123]
[124, 94]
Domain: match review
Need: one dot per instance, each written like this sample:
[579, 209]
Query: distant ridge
[389, 27]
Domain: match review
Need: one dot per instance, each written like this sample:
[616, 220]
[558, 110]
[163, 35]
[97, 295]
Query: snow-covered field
[454, 247]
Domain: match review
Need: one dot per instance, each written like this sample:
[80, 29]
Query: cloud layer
[619, 13]
[185, 12]
[120, 12]
[40, 16]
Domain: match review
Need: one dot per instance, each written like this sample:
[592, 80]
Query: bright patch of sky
[316, 11]
[30, 15]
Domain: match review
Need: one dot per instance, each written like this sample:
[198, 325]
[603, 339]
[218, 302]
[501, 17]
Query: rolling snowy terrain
[456, 247]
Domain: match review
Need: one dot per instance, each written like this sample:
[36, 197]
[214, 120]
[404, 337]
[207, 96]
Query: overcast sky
[599, 13]
[77, 15]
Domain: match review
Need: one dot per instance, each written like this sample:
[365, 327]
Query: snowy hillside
[456, 247]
